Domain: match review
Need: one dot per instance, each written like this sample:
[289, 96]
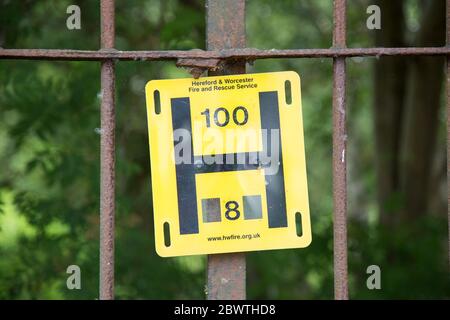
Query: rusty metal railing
[339, 155]
[107, 155]
[225, 25]
[227, 50]
[243, 53]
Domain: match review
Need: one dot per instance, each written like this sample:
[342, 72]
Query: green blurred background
[49, 151]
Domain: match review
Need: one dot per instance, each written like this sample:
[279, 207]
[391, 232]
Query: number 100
[225, 121]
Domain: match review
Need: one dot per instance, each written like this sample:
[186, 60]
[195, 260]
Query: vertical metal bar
[226, 30]
[107, 156]
[340, 155]
[448, 127]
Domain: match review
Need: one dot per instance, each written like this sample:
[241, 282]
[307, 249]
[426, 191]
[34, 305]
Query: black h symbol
[185, 172]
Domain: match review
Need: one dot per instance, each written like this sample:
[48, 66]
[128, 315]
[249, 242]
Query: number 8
[232, 209]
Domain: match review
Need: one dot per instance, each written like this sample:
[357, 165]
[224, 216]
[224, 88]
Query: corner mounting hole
[298, 223]
[157, 101]
[166, 227]
[287, 90]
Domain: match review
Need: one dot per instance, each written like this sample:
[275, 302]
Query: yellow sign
[228, 164]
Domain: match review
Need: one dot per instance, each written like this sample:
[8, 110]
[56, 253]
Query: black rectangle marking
[211, 210]
[275, 191]
[252, 207]
[185, 172]
[241, 161]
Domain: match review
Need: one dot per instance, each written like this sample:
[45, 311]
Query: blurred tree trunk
[407, 101]
[389, 95]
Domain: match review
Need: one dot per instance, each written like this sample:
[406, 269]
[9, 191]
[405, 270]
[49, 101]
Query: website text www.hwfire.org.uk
[235, 237]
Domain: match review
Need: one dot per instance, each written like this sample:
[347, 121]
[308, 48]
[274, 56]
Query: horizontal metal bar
[247, 53]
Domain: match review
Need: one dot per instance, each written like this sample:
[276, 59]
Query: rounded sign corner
[150, 85]
[294, 74]
[307, 238]
[161, 251]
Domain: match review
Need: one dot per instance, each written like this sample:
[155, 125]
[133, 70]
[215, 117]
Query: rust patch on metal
[196, 67]
[226, 276]
[210, 64]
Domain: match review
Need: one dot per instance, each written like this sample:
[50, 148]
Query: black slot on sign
[298, 224]
[166, 231]
[157, 101]
[288, 92]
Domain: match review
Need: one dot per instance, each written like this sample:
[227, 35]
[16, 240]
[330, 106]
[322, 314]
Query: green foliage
[49, 160]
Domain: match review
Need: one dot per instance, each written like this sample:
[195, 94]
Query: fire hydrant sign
[228, 164]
